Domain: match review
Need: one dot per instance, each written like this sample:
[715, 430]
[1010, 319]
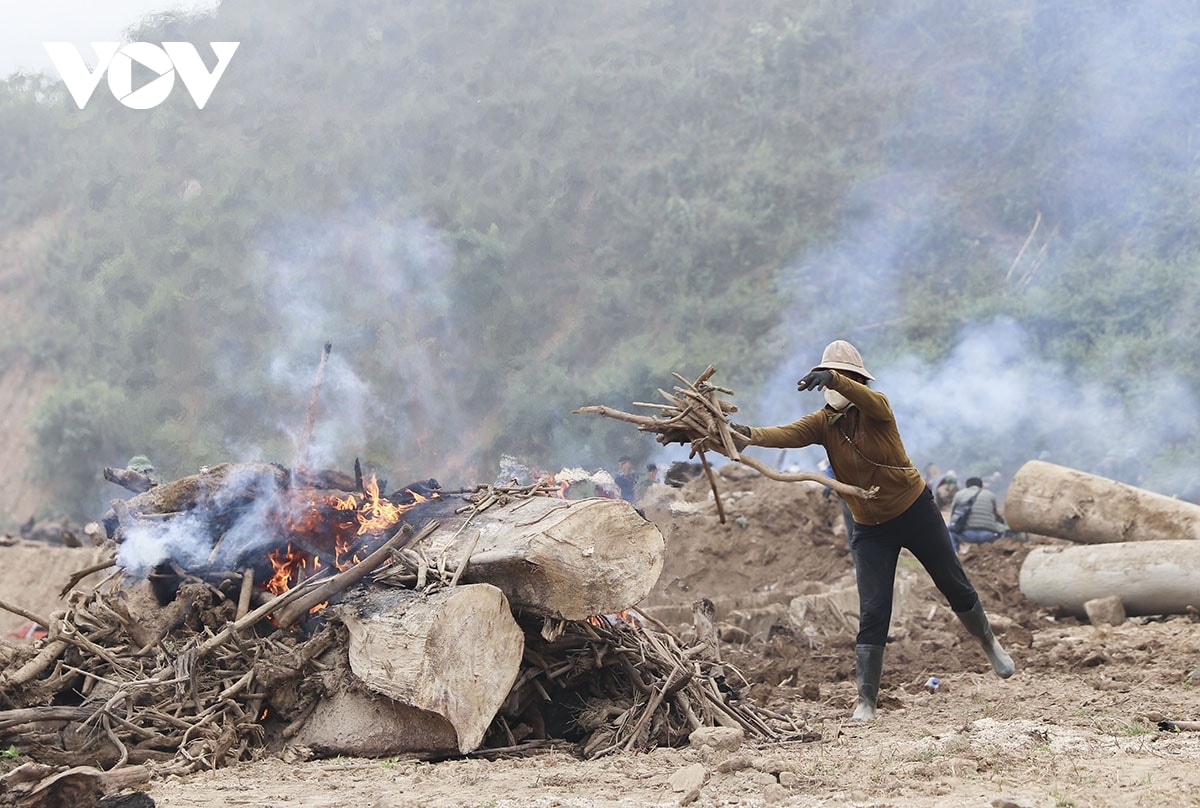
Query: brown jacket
[863, 446]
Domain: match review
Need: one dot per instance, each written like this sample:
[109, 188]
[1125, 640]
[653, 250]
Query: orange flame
[356, 516]
[290, 565]
[375, 514]
[624, 616]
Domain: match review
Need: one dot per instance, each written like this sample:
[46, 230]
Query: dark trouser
[876, 549]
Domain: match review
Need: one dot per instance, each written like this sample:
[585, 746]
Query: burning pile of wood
[307, 614]
[695, 414]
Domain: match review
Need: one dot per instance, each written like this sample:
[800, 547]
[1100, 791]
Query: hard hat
[841, 355]
[140, 464]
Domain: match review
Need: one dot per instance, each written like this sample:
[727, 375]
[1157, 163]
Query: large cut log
[212, 492]
[1150, 577]
[357, 723]
[1056, 501]
[441, 664]
[566, 559]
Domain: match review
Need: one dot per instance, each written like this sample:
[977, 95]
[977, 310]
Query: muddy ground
[1076, 726]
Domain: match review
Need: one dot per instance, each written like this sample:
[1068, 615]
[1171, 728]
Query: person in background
[649, 481]
[984, 522]
[858, 430]
[142, 465]
[625, 479]
[932, 472]
[943, 493]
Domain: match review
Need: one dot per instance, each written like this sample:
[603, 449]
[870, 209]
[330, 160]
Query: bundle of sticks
[696, 414]
[634, 685]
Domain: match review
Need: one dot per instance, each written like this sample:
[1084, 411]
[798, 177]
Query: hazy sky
[24, 26]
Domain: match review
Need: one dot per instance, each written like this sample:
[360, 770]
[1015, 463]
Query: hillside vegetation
[500, 210]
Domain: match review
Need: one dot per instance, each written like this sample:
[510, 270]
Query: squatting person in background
[858, 430]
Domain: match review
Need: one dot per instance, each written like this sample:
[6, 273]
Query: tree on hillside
[499, 211]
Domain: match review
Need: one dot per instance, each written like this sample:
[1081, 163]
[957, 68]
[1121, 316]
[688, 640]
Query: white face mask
[836, 400]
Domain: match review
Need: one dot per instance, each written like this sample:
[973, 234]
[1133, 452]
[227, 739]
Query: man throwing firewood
[858, 430]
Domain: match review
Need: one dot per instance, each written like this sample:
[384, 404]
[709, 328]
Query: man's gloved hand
[740, 434]
[817, 380]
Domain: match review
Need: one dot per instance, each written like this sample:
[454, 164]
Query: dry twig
[653, 692]
[696, 414]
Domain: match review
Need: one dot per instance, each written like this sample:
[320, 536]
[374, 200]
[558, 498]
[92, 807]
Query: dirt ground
[1077, 725]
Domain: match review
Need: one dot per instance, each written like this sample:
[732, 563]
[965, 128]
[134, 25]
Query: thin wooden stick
[712, 481]
[731, 450]
[811, 476]
[462, 564]
[278, 602]
[311, 415]
[247, 590]
[28, 615]
[343, 580]
[1037, 222]
[655, 700]
[609, 412]
[76, 577]
[31, 669]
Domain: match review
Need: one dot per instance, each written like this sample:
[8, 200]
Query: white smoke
[229, 526]
[995, 402]
[184, 539]
[376, 288]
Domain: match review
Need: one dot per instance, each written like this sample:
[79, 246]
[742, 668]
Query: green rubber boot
[868, 667]
[978, 626]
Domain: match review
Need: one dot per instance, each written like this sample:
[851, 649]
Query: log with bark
[1149, 577]
[216, 499]
[695, 414]
[555, 558]
[1065, 503]
[130, 479]
[213, 489]
[36, 785]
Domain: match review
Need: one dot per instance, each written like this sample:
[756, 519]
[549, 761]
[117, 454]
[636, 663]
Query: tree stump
[1056, 501]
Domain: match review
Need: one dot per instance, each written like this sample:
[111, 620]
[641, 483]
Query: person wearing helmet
[858, 430]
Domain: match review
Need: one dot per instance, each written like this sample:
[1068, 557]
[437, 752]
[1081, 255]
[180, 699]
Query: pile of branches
[696, 414]
[119, 695]
[100, 691]
[122, 689]
[628, 684]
